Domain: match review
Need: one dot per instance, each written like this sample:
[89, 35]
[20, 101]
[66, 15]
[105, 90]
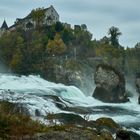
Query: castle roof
[4, 25]
[29, 16]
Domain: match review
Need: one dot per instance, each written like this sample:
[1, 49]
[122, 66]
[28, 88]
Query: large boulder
[110, 85]
[65, 118]
[137, 82]
[123, 135]
[107, 123]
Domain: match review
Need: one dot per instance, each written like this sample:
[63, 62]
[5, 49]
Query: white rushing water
[32, 91]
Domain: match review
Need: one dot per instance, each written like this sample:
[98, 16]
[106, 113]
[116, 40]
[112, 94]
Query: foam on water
[31, 90]
[35, 85]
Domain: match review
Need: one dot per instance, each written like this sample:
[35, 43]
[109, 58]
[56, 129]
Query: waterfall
[36, 93]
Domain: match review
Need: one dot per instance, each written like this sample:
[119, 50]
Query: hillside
[53, 51]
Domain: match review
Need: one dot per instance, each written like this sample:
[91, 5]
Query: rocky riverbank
[137, 83]
[70, 127]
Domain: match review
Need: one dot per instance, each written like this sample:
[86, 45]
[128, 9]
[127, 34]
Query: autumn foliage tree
[56, 46]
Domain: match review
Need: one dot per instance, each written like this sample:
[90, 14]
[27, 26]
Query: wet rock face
[107, 123]
[110, 85]
[68, 118]
[137, 83]
[122, 135]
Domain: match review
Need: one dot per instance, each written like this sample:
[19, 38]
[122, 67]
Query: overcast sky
[98, 15]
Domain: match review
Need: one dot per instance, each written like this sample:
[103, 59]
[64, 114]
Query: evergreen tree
[114, 33]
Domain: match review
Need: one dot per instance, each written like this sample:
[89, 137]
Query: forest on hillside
[39, 50]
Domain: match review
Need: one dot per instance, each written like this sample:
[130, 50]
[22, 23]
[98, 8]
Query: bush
[16, 124]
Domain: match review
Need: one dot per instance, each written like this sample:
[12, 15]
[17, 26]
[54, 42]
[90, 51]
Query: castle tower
[3, 28]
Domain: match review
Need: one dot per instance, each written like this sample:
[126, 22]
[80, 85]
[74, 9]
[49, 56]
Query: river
[35, 93]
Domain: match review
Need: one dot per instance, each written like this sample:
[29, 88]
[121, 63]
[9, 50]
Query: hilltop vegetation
[31, 51]
[40, 50]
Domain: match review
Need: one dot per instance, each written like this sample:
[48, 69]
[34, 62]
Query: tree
[67, 35]
[29, 25]
[56, 46]
[17, 61]
[84, 27]
[59, 27]
[114, 33]
[38, 16]
[7, 46]
[50, 31]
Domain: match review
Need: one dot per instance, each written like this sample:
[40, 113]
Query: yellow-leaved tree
[56, 46]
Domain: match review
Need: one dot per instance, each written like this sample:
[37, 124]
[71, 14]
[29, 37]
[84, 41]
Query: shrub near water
[18, 125]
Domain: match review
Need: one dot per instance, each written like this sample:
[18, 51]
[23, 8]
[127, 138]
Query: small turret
[4, 26]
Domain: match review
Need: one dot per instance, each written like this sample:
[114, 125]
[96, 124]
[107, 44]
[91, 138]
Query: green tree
[50, 31]
[114, 33]
[17, 61]
[29, 25]
[7, 46]
[38, 16]
[84, 27]
[59, 27]
[67, 35]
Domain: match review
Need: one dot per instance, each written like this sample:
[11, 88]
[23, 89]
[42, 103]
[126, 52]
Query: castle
[51, 17]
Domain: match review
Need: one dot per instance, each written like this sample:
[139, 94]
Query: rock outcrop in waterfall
[110, 85]
[137, 82]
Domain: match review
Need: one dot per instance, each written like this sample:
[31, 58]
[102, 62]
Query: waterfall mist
[87, 79]
[4, 68]
[131, 90]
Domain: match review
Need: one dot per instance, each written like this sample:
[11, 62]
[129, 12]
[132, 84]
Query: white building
[51, 17]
